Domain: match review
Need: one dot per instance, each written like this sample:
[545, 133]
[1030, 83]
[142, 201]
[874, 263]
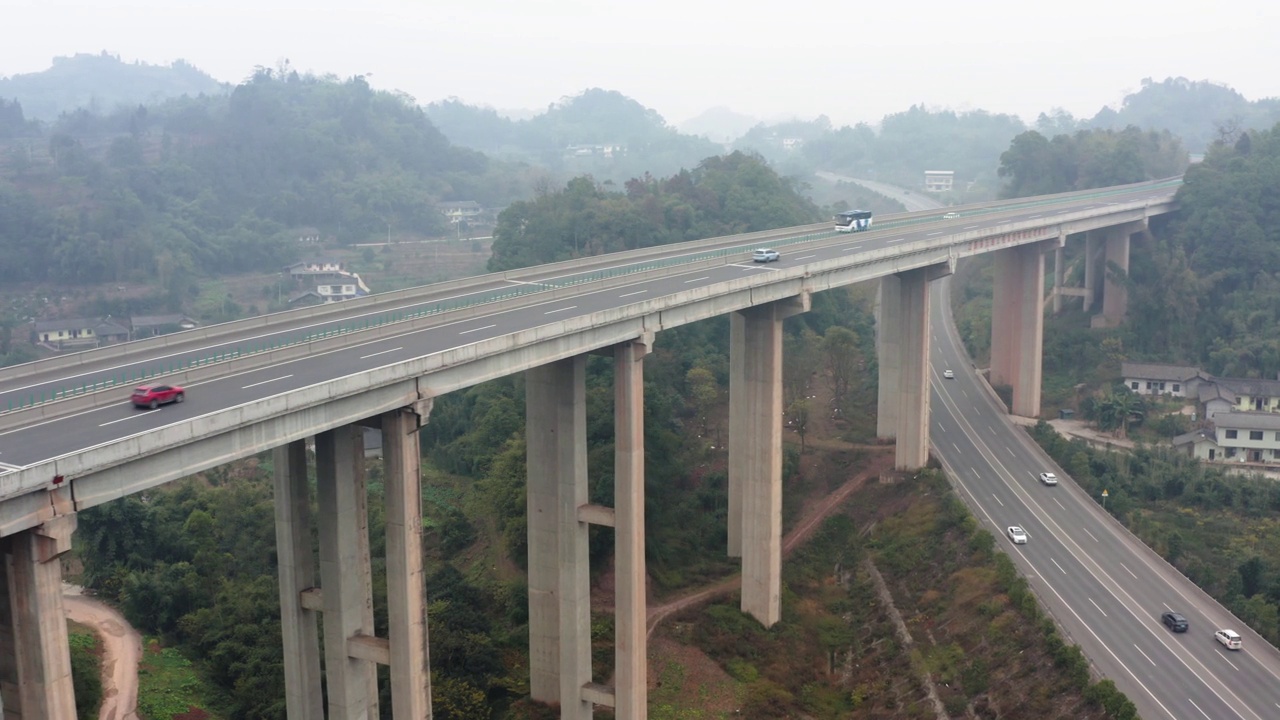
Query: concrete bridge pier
[755, 452]
[1017, 323]
[343, 603]
[559, 516]
[904, 361]
[888, 350]
[35, 659]
[559, 589]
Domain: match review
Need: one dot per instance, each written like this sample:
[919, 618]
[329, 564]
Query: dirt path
[801, 532]
[122, 650]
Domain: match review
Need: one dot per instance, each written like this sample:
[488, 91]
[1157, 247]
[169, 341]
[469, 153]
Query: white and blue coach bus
[853, 221]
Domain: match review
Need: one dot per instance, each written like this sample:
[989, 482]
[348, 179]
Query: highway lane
[40, 383]
[55, 438]
[1101, 583]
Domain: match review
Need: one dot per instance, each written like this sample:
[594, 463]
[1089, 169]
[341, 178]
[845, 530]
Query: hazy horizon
[803, 59]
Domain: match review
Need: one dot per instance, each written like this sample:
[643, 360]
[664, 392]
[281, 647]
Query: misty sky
[851, 61]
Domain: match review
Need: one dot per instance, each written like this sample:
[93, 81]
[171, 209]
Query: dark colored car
[153, 396]
[1174, 621]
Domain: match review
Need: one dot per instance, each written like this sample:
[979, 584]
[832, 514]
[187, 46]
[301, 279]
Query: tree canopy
[723, 195]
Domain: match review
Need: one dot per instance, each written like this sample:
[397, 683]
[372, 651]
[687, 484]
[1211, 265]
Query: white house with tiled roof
[1247, 436]
[1162, 379]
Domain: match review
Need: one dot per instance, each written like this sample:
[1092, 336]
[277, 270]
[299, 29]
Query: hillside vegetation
[102, 84]
[207, 186]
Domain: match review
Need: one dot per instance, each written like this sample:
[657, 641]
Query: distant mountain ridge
[102, 83]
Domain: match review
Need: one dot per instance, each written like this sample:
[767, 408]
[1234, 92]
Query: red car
[153, 396]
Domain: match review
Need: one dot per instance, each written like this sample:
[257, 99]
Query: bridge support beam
[345, 573]
[1115, 294]
[1017, 324]
[406, 584]
[35, 659]
[346, 600]
[559, 590]
[755, 452]
[911, 296]
[1093, 242]
[303, 699]
[888, 350]
[1059, 276]
[630, 611]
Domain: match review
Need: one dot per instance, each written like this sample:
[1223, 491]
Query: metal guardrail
[391, 317]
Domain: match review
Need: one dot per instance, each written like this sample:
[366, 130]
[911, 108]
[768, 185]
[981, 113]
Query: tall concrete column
[1059, 276]
[559, 589]
[761, 445]
[888, 347]
[1018, 315]
[737, 430]
[1091, 243]
[912, 447]
[297, 563]
[630, 614]
[35, 659]
[406, 591]
[1115, 294]
[345, 573]
[1005, 292]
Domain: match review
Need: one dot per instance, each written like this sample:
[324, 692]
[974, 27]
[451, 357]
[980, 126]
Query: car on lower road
[1174, 621]
[1017, 535]
[153, 396]
[951, 216]
[948, 375]
[1229, 639]
[764, 255]
[1048, 478]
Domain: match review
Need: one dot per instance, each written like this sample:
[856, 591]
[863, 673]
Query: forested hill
[224, 184]
[103, 83]
[1208, 293]
[723, 195]
[1197, 112]
[599, 132]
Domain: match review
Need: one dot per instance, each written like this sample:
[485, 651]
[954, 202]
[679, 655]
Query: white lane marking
[1030, 217]
[1062, 212]
[1055, 562]
[7, 466]
[855, 246]
[264, 382]
[997, 499]
[486, 327]
[1006, 449]
[935, 233]
[964, 392]
[131, 417]
[897, 240]
[704, 277]
[1064, 507]
[1104, 614]
[1086, 531]
[969, 227]
[804, 257]
[942, 428]
[638, 292]
[1153, 662]
[957, 447]
[382, 352]
[549, 312]
[1224, 657]
[993, 430]
[1194, 705]
[1098, 573]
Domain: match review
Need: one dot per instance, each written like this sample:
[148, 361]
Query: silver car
[764, 255]
[1017, 535]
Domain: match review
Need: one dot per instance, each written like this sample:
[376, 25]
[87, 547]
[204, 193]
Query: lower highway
[1105, 588]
